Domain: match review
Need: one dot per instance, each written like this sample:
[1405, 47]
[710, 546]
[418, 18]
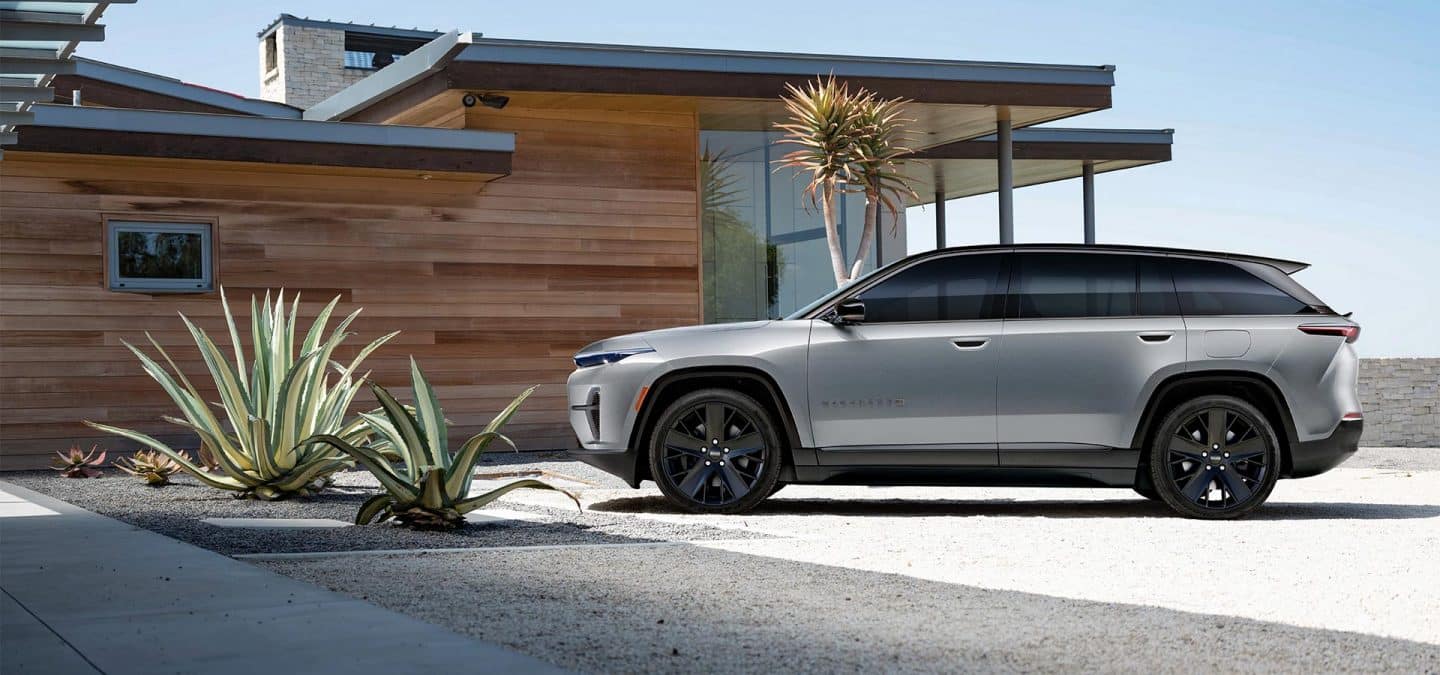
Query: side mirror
[850, 311]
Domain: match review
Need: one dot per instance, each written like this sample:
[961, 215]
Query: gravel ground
[683, 609]
[175, 510]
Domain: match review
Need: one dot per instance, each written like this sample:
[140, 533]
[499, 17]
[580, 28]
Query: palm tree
[880, 146]
[823, 122]
[848, 142]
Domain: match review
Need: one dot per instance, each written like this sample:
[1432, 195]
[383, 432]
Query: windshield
[800, 313]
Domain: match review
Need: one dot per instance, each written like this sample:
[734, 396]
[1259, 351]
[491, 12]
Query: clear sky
[1304, 129]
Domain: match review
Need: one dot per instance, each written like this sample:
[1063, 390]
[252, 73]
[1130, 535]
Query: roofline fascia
[409, 69]
[269, 128]
[1082, 135]
[169, 86]
[779, 63]
[369, 29]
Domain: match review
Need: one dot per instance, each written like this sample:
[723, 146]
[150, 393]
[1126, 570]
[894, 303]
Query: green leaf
[430, 416]
[468, 505]
[374, 506]
[415, 446]
[222, 482]
[374, 463]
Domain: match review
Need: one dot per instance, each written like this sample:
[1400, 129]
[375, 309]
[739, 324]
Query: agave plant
[150, 466]
[76, 463]
[260, 439]
[880, 144]
[430, 490]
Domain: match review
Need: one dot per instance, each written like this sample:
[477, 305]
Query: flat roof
[1041, 154]
[472, 61]
[205, 136]
[269, 128]
[172, 87]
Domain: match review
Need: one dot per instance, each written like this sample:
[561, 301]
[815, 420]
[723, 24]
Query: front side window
[166, 257]
[953, 288]
[1065, 285]
[1213, 288]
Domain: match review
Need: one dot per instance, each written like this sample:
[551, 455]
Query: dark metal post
[1087, 182]
[939, 217]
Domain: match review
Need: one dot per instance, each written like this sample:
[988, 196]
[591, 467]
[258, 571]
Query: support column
[1005, 174]
[1087, 183]
[939, 217]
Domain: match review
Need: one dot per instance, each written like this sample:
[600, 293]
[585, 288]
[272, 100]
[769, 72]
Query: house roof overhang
[951, 100]
[1041, 155]
[115, 86]
[184, 135]
[37, 40]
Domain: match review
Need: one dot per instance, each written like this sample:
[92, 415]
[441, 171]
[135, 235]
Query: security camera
[495, 101]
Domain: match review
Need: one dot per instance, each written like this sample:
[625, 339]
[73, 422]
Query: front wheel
[715, 451]
[1215, 457]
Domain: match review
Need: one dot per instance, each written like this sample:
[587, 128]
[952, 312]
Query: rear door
[915, 382]
[1087, 337]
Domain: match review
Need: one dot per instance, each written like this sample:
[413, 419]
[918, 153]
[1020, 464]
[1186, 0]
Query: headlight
[598, 358]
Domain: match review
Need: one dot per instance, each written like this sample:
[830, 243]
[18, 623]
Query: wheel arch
[753, 382]
[1255, 388]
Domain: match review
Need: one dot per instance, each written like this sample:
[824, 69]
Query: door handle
[970, 343]
[1155, 337]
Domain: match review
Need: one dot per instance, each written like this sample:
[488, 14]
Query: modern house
[501, 202]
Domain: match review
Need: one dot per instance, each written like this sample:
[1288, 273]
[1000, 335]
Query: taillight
[1350, 332]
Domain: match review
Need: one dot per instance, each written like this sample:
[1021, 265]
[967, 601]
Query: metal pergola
[37, 39]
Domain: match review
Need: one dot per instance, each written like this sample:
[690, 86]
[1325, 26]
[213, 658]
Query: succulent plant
[258, 439]
[76, 463]
[154, 467]
[431, 490]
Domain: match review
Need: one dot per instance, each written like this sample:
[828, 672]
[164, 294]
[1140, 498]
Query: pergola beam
[28, 29]
[48, 66]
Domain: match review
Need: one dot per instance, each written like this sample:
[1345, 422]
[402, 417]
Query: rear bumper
[1318, 456]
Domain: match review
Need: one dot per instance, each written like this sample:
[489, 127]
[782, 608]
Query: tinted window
[1208, 287]
[1157, 289]
[954, 288]
[1059, 285]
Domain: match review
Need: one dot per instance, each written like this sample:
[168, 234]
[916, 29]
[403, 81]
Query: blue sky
[1304, 130]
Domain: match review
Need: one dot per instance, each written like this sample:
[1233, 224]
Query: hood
[646, 338]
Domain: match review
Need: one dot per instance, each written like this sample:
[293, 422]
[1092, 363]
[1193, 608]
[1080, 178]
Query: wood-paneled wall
[493, 285]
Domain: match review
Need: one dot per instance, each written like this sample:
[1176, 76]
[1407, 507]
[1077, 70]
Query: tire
[702, 472]
[1215, 458]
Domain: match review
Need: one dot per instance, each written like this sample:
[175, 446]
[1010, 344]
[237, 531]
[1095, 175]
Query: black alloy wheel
[716, 451]
[1215, 457]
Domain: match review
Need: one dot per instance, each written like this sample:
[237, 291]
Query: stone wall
[309, 66]
[1401, 398]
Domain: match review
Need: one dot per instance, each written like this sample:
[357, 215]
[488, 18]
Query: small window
[1157, 288]
[1212, 288]
[159, 256]
[1065, 285]
[270, 55]
[953, 288]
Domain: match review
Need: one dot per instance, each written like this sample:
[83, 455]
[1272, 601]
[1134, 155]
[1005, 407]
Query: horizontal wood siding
[494, 286]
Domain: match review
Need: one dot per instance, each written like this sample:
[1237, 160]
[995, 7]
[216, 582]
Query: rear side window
[1064, 285]
[953, 288]
[1157, 288]
[1211, 288]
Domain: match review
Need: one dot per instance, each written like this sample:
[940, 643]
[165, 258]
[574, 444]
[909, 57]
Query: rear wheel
[1215, 457]
[715, 451]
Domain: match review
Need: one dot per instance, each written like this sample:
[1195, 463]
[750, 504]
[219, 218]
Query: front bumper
[604, 403]
[1318, 456]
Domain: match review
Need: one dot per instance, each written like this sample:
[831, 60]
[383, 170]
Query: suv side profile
[1196, 378]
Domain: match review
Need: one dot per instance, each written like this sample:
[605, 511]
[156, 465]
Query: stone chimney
[303, 61]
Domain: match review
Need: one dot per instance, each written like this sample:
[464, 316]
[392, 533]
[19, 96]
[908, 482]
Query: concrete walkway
[83, 593]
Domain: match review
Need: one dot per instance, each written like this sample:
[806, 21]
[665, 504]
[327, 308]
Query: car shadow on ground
[1115, 508]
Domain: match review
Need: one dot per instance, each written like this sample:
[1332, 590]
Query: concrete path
[84, 593]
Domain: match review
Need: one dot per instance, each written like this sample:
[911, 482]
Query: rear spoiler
[1286, 266]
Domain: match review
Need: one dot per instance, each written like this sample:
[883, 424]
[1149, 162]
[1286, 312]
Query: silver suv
[1195, 378]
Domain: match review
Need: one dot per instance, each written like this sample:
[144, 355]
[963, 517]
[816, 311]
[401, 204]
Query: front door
[914, 383]
[1087, 338]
